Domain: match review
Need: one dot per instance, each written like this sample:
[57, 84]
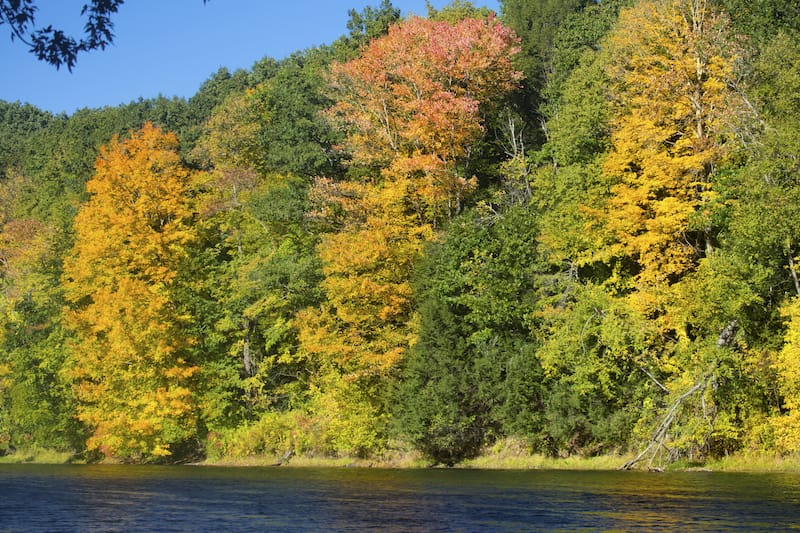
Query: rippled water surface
[133, 498]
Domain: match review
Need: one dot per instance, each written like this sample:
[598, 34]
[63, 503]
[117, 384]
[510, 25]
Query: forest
[571, 224]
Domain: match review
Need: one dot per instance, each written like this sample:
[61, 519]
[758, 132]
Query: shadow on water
[184, 498]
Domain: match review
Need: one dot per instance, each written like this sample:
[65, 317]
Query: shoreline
[750, 463]
[741, 463]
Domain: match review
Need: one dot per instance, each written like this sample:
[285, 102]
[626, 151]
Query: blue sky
[170, 47]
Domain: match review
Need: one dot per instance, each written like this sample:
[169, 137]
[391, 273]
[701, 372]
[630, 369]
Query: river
[189, 498]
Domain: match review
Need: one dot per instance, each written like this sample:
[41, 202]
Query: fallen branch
[285, 459]
[658, 437]
[660, 433]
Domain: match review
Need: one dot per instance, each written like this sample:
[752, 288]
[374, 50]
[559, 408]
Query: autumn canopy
[567, 229]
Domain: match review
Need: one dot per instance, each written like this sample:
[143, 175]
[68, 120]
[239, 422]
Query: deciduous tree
[130, 366]
[37, 408]
[678, 112]
[413, 103]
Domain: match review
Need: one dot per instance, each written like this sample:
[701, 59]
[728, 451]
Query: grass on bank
[756, 462]
[39, 456]
[508, 454]
[396, 459]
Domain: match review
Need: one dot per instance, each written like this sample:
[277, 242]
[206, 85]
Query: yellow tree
[367, 269]
[133, 379]
[676, 113]
[787, 426]
[362, 331]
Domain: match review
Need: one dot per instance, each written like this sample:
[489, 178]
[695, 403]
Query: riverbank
[510, 456]
[496, 458]
[483, 462]
[40, 456]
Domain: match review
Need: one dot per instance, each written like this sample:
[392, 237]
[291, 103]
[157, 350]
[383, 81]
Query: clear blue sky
[170, 47]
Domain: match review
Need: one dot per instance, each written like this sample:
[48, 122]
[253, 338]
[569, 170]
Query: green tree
[19, 124]
[472, 375]
[536, 23]
[370, 23]
[293, 136]
[211, 94]
[764, 19]
[260, 274]
[37, 407]
[455, 11]
[252, 269]
[763, 231]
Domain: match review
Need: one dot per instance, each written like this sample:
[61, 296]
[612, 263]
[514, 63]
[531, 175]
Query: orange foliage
[413, 100]
[413, 104]
[129, 363]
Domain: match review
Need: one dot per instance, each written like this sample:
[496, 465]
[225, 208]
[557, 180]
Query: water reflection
[114, 498]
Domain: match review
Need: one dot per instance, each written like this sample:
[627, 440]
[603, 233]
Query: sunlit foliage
[397, 242]
[129, 358]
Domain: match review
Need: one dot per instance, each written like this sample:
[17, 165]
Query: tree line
[573, 224]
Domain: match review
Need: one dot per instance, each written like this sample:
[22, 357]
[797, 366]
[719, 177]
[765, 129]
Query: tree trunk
[247, 357]
[792, 269]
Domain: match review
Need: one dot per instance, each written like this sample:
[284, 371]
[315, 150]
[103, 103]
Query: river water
[186, 498]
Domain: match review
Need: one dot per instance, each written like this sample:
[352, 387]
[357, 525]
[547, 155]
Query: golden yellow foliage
[363, 331]
[676, 117]
[787, 426]
[367, 270]
[128, 363]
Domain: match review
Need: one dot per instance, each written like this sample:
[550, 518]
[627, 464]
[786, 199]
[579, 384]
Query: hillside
[573, 225]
